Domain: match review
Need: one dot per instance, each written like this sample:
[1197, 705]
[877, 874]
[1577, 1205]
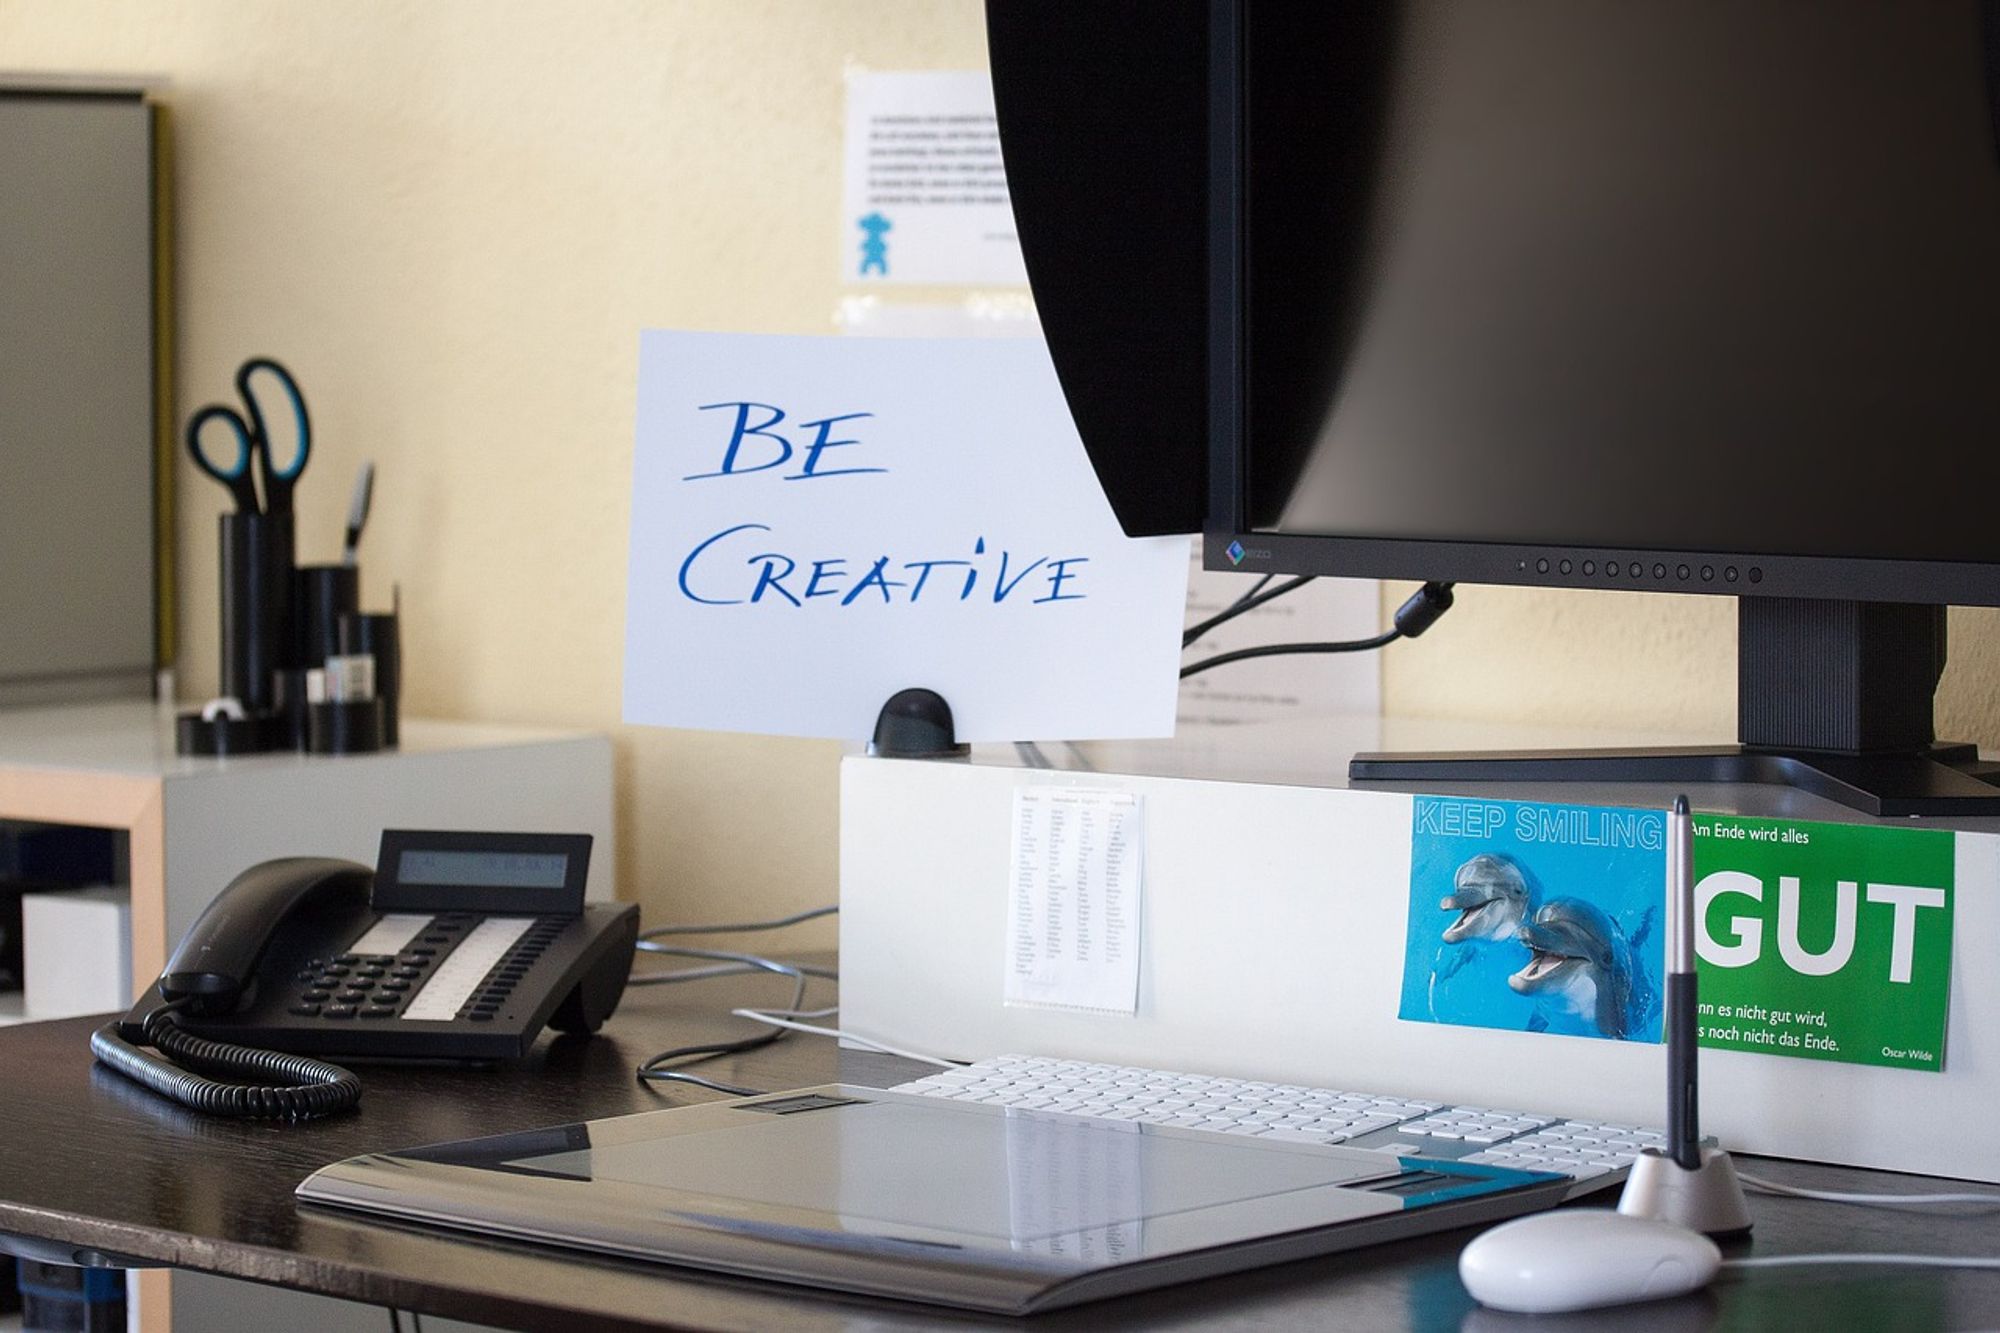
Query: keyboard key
[1284, 1135]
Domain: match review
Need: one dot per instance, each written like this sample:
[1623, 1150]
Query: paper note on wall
[818, 523]
[1536, 917]
[1073, 903]
[924, 197]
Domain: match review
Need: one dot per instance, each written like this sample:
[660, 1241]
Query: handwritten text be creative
[742, 564]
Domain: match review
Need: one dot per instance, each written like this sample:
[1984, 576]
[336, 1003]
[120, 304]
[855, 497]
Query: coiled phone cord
[279, 1086]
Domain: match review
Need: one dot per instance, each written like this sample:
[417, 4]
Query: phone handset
[208, 973]
[218, 956]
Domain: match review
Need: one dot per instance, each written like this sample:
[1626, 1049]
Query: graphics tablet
[891, 1194]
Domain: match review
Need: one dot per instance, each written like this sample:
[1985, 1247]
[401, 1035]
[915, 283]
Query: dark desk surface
[91, 1160]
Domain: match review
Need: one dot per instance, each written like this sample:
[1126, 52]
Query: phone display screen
[536, 874]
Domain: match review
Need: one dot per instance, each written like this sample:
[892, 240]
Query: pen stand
[256, 557]
[1708, 1199]
[256, 551]
[916, 724]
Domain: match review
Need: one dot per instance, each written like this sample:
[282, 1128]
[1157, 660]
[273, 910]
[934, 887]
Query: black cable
[742, 927]
[1249, 601]
[1417, 614]
[652, 1071]
[264, 1085]
[1284, 649]
[395, 1320]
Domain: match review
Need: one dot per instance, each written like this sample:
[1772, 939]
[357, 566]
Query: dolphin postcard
[1535, 917]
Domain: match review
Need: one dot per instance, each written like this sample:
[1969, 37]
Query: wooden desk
[93, 1161]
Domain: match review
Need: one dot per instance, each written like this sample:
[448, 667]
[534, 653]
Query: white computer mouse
[1582, 1258]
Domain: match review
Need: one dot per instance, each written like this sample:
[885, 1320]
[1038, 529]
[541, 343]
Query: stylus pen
[1683, 1095]
[357, 512]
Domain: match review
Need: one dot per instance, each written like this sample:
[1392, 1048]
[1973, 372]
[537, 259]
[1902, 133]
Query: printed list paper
[819, 523]
[1073, 906]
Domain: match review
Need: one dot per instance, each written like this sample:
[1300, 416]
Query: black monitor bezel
[1646, 569]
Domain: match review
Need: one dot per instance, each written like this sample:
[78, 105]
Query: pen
[357, 512]
[1683, 1097]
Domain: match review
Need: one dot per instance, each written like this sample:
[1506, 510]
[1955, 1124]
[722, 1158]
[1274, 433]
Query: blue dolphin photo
[1535, 918]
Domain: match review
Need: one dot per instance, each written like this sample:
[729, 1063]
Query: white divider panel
[1272, 947]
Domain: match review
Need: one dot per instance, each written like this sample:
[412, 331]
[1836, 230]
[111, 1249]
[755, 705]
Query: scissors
[253, 442]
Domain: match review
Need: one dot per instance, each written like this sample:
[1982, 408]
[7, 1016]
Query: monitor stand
[1833, 698]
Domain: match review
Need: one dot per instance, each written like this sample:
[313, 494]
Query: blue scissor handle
[236, 476]
[277, 479]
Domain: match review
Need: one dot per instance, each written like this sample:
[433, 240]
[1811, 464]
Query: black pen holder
[325, 593]
[289, 726]
[257, 734]
[256, 562]
[345, 728]
[377, 634]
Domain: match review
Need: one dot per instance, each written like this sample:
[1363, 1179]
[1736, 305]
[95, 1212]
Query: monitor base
[1940, 780]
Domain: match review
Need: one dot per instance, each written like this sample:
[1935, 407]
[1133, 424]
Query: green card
[1824, 941]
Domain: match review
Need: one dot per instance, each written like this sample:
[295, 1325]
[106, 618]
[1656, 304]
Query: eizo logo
[1235, 553]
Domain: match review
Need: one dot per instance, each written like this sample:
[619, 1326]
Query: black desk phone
[458, 946]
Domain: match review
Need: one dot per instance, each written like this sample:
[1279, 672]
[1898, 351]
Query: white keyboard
[1594, 1154]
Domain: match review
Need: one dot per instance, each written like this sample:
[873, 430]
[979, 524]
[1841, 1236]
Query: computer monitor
[1696, 296]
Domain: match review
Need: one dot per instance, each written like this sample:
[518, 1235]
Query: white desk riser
[1273, 940]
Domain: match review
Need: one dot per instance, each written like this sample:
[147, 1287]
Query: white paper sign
[924, 195]
[1073, 906]
[818, 523]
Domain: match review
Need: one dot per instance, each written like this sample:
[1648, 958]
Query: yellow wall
[452, 218]
[1629, 662]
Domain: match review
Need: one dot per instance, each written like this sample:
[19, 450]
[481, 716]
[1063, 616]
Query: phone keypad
[352, 985]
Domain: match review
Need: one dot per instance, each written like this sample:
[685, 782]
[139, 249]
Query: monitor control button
[1590, 567]
[1756, 574]
[1542, 565]
[1683, 573]
[1708, 573]
[1564, 567]
[1729, 573]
